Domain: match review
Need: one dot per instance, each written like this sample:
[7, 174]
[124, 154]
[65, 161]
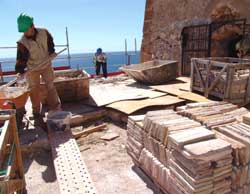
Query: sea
[84, 61]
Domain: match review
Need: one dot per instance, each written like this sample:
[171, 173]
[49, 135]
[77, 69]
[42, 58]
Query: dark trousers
[104, 68]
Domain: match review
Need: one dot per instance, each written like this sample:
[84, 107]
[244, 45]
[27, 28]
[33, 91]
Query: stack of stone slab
[212, 114]
[227, 124]
[246, 119]
[158, 172]
[134, 136]
[238, 135]
[157, 126]
[202, 167]
[173, 154]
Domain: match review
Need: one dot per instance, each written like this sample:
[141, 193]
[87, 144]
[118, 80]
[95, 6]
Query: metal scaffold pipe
[67, 39]
[135, 46]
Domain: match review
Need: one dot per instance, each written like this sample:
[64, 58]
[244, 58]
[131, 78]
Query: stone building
[165, 19]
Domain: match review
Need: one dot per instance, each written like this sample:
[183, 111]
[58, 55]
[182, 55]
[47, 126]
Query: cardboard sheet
[130, 106]
[104, 94]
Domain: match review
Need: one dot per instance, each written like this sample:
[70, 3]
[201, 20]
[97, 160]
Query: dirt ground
[37, 161]
[39, 173]
[109, 165]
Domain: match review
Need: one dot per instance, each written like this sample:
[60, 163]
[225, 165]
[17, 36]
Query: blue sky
[91, 23]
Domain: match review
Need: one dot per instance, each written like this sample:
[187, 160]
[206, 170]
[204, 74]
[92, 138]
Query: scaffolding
[69, 57]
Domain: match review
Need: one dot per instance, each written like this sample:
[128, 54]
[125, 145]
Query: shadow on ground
[146, 180]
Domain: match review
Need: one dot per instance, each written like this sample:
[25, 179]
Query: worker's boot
[39, 122]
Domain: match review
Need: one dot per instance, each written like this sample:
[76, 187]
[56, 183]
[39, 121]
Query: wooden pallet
[71, 171]
[222, 77]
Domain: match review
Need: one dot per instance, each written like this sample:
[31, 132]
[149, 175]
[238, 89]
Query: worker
[36, 48]
[243, 47]
[100, 60]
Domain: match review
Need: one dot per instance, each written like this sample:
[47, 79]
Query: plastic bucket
[59, 121]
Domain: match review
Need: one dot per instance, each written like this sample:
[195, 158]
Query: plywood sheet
[130, 106]
[193, 97]
[182, 91]
[104, 94]
[184, 79]
[174, 89]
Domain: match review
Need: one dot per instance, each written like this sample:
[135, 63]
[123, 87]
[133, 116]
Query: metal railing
[5, 70]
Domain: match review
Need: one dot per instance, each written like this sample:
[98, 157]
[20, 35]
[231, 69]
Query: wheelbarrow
[14, 98]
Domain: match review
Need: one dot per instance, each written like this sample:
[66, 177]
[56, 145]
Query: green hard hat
[24, 22]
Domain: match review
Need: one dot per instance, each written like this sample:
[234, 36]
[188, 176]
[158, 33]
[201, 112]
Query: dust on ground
[110, 167]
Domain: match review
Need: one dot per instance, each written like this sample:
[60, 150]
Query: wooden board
[130, 106]
[104, 94]
[71, 171]
[174, 89]
[184, 79]
[193, 97]
[182, 91]
[109, 136]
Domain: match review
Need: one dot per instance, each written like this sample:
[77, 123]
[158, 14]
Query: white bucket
[59, 121]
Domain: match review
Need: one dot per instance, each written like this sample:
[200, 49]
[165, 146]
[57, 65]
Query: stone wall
[165, 19]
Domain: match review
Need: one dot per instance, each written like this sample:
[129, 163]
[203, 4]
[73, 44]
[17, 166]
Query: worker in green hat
[35, 47]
